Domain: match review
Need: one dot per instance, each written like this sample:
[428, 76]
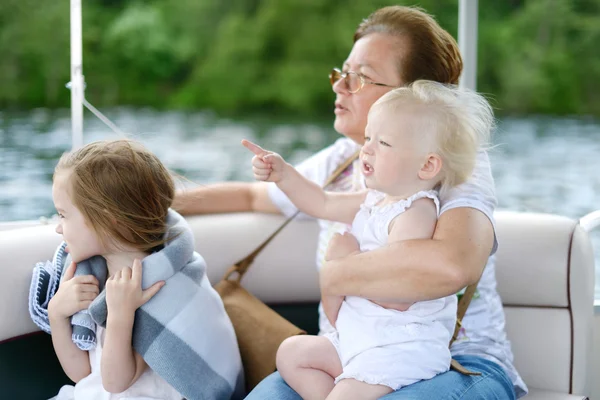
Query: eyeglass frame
[344, 75]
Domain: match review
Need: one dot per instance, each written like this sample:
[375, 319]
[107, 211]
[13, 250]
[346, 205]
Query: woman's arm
[223, 198]
[417, 270]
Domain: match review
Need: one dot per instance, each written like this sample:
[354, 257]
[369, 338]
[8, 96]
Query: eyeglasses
[353, 80]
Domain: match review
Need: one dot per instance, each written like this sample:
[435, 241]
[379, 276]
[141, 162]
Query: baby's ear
[431, 167]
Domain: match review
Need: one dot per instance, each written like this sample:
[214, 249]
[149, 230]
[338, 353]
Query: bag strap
[463, 304]
[242, 266]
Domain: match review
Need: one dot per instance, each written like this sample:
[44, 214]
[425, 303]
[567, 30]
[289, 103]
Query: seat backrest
[545, 273]
[20, 249]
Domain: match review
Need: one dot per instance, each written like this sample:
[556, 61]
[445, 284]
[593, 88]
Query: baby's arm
[309, 197]
[417, 222]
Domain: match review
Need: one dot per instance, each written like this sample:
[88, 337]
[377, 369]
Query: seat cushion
[538, 394]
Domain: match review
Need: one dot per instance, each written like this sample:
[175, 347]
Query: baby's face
[81, 239]
[393, 152]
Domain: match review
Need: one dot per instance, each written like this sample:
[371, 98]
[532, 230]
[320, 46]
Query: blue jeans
[492, 384]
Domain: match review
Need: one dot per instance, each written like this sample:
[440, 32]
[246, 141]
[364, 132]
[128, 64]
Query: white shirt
[149, 386]
[483, 334]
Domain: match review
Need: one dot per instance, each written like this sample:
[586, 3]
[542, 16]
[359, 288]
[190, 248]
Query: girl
[419, 140]
[148, 338]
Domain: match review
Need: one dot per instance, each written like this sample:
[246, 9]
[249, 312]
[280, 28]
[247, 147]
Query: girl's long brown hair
[123, 191]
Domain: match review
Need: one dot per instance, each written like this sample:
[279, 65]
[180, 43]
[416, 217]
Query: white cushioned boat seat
[20, 249]
[537, 394]
[545, 272]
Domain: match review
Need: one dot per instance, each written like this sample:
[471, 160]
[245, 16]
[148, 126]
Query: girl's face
[393, 153]
[374, 57]
[82, 240]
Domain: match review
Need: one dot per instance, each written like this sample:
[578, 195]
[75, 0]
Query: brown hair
[432, 52]
[123, 191]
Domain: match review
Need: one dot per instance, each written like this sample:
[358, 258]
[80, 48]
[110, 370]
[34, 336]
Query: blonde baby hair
[456, 122]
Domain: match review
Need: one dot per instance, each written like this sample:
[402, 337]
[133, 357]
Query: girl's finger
[151, 291]
[87, 288]
[86, 279]
[84, 304]
[70, 271]
[136, 273]
[87, 296]
[126, 273]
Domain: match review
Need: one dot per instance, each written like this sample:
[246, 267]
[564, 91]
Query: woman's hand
[74, 294]
[331, 307]
[266, 165]
[124, 292]
[341, 245]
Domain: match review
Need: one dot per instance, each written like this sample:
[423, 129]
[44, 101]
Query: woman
[393, 47]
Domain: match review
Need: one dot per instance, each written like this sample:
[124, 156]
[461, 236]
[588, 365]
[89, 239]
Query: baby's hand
[74, 294]
[124, 292]
[266, 165]
[341, 245]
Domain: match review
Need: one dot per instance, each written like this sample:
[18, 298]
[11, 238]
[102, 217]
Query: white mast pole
[76, 76]
[467, 42]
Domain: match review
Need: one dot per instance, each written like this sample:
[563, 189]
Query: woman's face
[375, 57]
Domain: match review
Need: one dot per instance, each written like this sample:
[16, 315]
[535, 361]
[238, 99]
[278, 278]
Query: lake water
[539, 164]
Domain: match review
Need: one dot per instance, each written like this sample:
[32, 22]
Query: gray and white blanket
[183, 332]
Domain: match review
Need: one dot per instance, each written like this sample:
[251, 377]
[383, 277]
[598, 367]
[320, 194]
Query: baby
[420, 141]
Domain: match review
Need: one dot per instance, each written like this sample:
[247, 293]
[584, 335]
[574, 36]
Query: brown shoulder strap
[463, 304]
[242, 266]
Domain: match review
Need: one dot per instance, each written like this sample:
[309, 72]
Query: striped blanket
[183, 332]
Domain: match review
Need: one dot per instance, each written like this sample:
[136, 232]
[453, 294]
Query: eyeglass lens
[352, 80]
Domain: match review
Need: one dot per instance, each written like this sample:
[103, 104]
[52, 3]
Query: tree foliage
[245, 55]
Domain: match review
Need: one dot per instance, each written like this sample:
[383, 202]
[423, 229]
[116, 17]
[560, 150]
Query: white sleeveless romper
[383, 346]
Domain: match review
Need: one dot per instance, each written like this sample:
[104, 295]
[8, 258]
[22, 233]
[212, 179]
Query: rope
[103, 118]
[99, 115]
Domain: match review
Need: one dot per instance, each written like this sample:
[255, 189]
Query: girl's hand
[341, 245]
[124, 292]
[74, 294]
[266, 165]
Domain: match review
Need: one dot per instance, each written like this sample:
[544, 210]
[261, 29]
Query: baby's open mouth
[367, 168]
